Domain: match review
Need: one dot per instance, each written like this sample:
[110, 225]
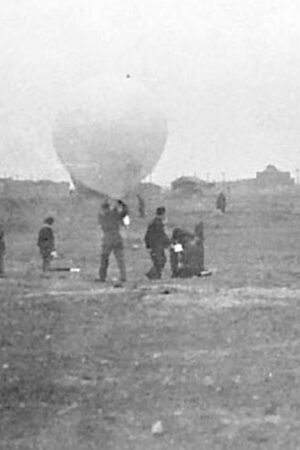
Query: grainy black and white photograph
[149, 225]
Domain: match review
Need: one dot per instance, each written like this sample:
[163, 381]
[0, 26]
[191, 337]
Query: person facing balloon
[157, 241]
[111, 219]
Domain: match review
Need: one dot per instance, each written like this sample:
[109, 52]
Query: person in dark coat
[46, 243]
[110, 220]
[192, 262]
[2, 252]
[156, 242]
[221, 202]
[180, 238]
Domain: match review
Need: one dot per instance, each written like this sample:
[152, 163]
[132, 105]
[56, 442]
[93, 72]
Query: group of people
[186, 249]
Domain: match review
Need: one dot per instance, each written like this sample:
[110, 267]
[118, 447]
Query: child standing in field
[46, 243]
[2, 252]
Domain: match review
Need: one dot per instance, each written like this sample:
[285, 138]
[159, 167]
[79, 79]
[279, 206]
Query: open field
[216, 360]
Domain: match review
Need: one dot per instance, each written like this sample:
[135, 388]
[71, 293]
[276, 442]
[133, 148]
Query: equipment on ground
[65, 269]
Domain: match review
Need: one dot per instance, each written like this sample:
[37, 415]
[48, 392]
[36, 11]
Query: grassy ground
[216, 360]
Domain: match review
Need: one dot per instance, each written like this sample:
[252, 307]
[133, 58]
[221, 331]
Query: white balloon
[109, 135]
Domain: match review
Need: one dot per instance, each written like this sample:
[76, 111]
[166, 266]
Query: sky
[226, 74]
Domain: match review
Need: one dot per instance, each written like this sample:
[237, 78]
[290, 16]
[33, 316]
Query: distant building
[188, 185]
[26, 189]
[271, 177]
[148, 189]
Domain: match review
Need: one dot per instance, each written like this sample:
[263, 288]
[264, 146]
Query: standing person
[157, 241]
[2, 251]
[46, 243]
[141, 206]
[221, 202]
[110, 221]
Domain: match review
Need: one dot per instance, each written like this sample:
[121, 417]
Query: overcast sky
[225, 72]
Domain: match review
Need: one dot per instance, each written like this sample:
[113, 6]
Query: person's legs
[46, 257]
[159, 261]
[1, 264]
[174, 263]
[104, 262]
[200, 267]
[119, 255]
[152, 274]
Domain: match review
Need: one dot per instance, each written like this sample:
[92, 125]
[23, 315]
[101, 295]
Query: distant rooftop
[271, 168]
[189, 180]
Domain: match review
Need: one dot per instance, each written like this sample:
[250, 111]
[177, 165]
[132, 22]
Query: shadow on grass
[29, 364]
[26, 407]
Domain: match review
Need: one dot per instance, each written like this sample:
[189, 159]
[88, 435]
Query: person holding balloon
[111, 219]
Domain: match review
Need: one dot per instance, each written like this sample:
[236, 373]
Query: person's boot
[152, 274]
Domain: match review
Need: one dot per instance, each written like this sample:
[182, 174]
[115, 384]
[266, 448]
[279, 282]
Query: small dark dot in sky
[128, 75]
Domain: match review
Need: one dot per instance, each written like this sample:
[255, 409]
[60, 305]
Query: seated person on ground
[192, 260]
[179, 240]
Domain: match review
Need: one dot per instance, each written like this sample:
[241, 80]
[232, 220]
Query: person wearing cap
[111, 220]
[156, 242]
[2, 251]
[46, 243]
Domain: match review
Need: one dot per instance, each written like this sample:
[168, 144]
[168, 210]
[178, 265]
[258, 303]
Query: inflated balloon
[109, 135]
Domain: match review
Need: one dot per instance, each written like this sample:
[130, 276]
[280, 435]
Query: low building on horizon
[272, 177]
[28, 189]
[190, 185]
